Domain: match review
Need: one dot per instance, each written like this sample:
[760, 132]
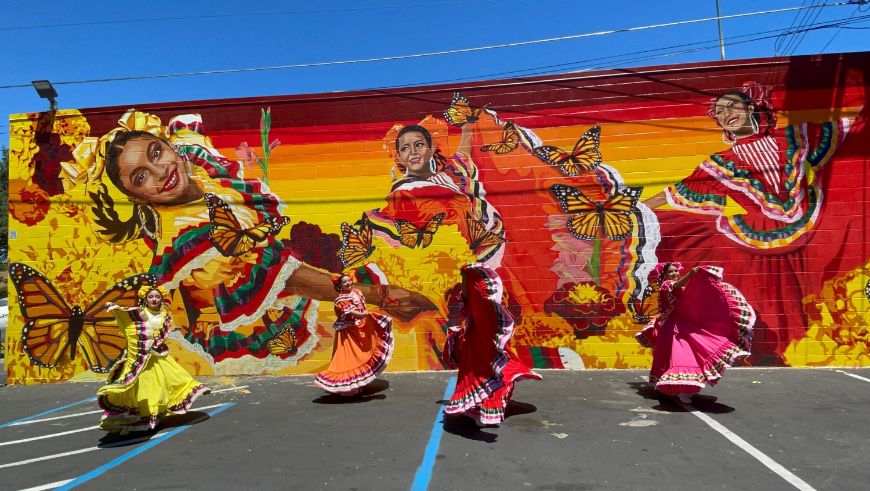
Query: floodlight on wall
[46, 91]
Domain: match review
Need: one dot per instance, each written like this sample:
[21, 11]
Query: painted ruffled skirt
[359, 355]
[487, 367]
[707, 332]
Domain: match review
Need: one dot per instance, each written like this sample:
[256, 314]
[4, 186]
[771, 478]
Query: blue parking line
[132, 453]
[60, 408]
[424, 472]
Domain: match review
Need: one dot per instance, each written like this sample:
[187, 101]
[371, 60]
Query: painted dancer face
[734, 115]
[414, 153]
[150, 169]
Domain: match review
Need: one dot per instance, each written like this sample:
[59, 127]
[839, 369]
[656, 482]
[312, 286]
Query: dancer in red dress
[488, 368]
[704, 326]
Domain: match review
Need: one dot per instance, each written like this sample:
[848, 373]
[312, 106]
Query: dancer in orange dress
[363, 342]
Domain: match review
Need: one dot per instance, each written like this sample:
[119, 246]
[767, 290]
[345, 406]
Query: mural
[572, 188]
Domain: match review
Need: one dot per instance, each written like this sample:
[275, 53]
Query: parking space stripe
[47, 486]
[49, 457]
[229, 388]
[854, 376]
[55, 418]
[748, 448]
[424, 473]
[52, 435]
[132, 453]
[44, 413]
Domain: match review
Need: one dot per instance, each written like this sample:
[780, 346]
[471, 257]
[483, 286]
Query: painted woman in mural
[215, 235]
[773, 224]
[435, 190]
[363, 342]
[146, 384]
[704, 326]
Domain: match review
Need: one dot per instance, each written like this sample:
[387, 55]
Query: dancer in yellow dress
[146, 384]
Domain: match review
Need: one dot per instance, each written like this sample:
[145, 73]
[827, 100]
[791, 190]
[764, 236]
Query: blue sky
[69, 41]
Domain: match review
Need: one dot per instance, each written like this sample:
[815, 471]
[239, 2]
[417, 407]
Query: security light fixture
[46, 91]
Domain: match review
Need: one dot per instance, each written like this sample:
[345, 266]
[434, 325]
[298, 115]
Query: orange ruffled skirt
[359, 355]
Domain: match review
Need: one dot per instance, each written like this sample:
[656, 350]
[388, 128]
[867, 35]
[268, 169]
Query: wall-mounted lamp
[46, 91]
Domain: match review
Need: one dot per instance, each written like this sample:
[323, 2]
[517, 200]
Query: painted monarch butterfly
[412, 236]
[481, 238]
[510, 138]
[227, 234]
[644, 308]
[592, 219]
[585, 155]
[284, 343]
[53, 329]
[460, 112]
[356, 245]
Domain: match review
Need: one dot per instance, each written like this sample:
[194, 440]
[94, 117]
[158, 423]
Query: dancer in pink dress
[704, 326]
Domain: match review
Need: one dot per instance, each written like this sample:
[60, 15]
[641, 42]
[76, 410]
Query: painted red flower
[585, 306]
[28, 203]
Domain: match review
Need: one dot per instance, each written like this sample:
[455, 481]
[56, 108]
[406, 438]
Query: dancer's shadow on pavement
[467, 428]
[369, 393]
[189, 418]
[700, 403]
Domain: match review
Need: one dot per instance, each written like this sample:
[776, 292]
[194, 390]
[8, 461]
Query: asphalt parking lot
[765, 429]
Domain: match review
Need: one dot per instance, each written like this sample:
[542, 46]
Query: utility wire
[837, 32]
[654, 53]
[428, 54]
[800, 38]
[647, 54]
[245, 14]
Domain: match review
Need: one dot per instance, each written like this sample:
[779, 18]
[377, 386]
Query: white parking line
[745, 446]
[31, 421]
[854, 376]
[230, 388]
[51, 485]
[52, 435]
[49, 457]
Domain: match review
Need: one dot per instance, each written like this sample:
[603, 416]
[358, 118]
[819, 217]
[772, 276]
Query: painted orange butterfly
[284, 343]
[592, 219]
[585, 155]
[645, 307]
[460, 112]
[510, 138]
[54, 330]
[412, 236]
[481, 238]
[227, 234]
[356, 245]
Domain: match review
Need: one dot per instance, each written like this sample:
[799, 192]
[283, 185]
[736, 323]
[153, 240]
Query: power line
[431, 53]
[244, 14]
[712, 44]
[838, 31]
[648, 54]
[800, 38]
